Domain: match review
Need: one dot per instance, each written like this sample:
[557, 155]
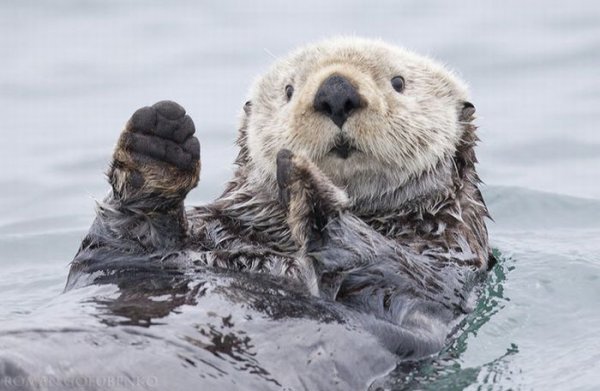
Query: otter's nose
[337, 99]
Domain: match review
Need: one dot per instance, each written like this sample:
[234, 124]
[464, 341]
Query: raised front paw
[157, 154]
[309, 196]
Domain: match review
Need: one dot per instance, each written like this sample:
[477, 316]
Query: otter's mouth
[343, 148]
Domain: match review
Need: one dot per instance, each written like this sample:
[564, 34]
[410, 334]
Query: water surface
[73, 71]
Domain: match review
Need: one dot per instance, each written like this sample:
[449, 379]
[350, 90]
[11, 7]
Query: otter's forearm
[146, 224]
[155, 164]
[126, 236]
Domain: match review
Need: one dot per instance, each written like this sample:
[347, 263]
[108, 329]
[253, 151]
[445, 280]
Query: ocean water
[73, 71]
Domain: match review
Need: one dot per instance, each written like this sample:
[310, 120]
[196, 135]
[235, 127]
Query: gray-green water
[73, 71]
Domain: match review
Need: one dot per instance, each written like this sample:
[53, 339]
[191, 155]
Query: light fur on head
[401, 137]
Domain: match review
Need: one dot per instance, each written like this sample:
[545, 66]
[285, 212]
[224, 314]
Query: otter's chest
[422, 234]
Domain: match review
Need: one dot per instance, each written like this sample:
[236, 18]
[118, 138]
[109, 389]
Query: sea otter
[355, 183]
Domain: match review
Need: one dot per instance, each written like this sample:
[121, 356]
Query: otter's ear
[467, 111]
[248, 107]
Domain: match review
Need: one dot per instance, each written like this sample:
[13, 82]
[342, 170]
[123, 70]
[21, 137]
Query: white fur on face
[399, 136]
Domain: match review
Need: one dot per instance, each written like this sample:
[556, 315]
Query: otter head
[373, 117]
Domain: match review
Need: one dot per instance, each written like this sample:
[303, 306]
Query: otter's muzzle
[337, 99]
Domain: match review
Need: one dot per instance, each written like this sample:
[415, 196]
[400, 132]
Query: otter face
[371, 116]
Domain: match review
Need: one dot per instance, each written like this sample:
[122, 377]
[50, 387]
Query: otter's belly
[153, 329]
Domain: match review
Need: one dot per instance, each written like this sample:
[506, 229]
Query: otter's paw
[157, 153]
[309, 196]
[299, 179]
[285, 175]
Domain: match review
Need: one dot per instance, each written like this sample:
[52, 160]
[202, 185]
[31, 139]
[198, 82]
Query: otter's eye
[398, 83]
[289, 91]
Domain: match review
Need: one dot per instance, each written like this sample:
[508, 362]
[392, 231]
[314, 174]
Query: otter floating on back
[355, 183]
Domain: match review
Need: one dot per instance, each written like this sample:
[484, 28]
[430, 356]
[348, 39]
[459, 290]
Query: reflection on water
[236, 349]
[141, 303]
[445, 371]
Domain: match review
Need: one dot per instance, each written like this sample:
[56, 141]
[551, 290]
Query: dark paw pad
[285, 168]
[163, 132]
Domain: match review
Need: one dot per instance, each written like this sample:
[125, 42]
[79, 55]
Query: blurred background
[73, 71]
